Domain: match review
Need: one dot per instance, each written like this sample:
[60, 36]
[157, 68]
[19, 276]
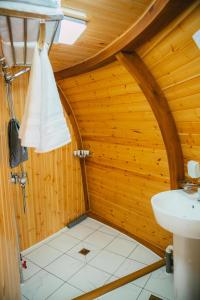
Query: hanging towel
[43, 125]
[17, 153]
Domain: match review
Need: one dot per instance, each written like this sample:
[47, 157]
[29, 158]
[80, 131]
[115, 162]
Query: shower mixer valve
[22, 180]
[19, 178]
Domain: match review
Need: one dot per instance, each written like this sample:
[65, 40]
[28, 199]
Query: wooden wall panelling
[54, 191]
[115, 15]
[156, 98]
[76, 130]
[128, 163]
[157, 15]
[174, 60]
[9, 272]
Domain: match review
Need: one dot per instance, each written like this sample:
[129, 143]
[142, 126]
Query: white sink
[178, 212]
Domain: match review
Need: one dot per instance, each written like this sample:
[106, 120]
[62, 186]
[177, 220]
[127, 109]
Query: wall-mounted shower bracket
[82, 153]
[8, 76]
[21, 179]
[18, 178]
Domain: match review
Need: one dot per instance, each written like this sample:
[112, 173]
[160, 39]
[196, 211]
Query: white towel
[18, 37]
[19, 52]
[43, 125]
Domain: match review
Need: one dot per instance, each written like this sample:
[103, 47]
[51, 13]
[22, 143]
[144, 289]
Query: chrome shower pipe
[6, 73]
[9, 77]
[20, 73]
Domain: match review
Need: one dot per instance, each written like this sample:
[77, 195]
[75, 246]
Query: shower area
[43, 192]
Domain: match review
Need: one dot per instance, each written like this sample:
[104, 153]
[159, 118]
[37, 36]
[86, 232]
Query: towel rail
[11, 38]
[25, 40]
[25, 37]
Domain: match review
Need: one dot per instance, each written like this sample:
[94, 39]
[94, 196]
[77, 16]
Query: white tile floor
[56, 270]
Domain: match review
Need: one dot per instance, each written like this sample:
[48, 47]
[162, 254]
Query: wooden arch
[157, 16]
[159, 105]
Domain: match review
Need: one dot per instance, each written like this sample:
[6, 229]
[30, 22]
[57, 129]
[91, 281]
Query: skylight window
[70, 30]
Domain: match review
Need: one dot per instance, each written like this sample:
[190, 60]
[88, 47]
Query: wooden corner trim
[159, 105]
[77, 134]
[120, 282]
[156, 17]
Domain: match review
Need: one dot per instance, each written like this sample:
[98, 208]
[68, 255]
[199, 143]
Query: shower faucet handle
[14, 178]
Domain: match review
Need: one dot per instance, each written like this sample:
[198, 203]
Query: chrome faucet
[190, 187]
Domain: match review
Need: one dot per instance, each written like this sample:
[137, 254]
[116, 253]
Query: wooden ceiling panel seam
[101, 15]
[157, 16]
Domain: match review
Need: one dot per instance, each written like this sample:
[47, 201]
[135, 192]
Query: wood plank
[129, 162]
[160, 108]
[78, 137]
[54, 197]
[122, 281]
[155, 18]
[101, 15]
[9, 271]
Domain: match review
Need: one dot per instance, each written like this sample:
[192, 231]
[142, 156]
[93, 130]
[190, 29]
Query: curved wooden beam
[121, 281]
[77, 133]
[158, 15]
[156, 98]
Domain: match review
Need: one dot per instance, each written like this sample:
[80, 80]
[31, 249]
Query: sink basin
[178, 212]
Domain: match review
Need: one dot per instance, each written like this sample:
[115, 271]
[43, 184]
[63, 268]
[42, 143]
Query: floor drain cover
[152, 297]
[84, 251]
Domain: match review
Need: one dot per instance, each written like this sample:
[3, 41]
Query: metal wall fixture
[82, 153]
[21, 179]
[52, 29]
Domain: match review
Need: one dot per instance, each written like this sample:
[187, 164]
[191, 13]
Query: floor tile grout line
[64, 253]
[108, 250]
[42, 242]
[90, 244]
[127, 257]
[63, 282]
[48, 263]
[86, 262]
[156, 293]
[61, 287]
[55, 291]
[25, 297]
[80, 240]
[62, 231]
[94, 230]
[139, 294]
[121, 254]
[92, 265]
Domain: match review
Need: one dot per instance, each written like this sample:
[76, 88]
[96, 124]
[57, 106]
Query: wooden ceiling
[107, 20]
